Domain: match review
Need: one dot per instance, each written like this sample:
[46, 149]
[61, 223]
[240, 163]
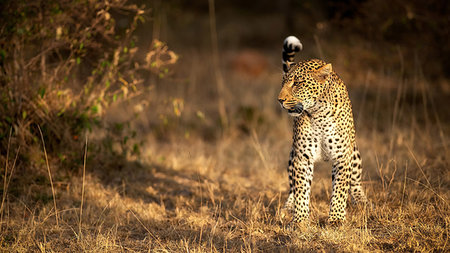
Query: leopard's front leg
[289, 205]
[302, 174]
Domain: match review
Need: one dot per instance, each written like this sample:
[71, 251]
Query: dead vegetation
[161, 173]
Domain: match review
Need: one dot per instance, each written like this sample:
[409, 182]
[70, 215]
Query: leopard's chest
[321, 152]
[313, 136]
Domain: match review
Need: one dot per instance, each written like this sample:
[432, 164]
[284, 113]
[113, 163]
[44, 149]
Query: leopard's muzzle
[296, 110]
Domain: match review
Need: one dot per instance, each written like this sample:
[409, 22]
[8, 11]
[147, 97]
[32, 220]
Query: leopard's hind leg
[356, 191]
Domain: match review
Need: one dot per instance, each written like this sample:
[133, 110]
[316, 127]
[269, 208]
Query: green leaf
[136, 149]
[78, 60]
[105, 63]
[60, 113]
[94, 109]
[2, 54]
[88, 126]
[24, 114]
[61, 157]
[41, 92]
[118, 126]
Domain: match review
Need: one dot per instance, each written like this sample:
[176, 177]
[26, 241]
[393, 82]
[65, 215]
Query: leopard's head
[302, 86]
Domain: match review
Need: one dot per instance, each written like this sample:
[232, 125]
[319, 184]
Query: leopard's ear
[324, 72]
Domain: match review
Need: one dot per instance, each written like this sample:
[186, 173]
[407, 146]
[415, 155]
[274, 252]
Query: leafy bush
[62, 63]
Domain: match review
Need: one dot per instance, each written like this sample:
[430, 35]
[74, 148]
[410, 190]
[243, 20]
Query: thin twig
[218, 73]
[82, 186]
[319, 47]
[438, 121]
[49, 175]
[418, 164]
[362, 103]
[9, 179]
[393, 175]
[404, 186]
[148, 231]
[395, 116]
[258, 149]
[429, 186]
[4, 178]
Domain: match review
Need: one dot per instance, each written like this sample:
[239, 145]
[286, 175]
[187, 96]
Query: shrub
[62, 63]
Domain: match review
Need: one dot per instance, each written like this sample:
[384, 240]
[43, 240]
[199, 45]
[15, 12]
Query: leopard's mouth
[296, 110]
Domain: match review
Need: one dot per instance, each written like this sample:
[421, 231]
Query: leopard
[323, 129]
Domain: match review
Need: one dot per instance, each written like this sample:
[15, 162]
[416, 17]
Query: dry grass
[221, 197]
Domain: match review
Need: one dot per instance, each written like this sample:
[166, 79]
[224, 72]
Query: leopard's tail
[291, 45]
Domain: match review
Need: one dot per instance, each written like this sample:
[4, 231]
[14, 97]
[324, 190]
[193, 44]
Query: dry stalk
[49, 176]
[145, 227]
[362, 103]
[380, 173]
[395, 116]
[375, 112]
[428, 185]
[436, 116]
[258, 148]
[82, 186]
[393, 175]
[5, 189]
[4, 178]
[319, 47]
[404, 186]
[217, 72]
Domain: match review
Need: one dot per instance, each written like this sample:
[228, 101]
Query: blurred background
[187, 89]
[391, 56]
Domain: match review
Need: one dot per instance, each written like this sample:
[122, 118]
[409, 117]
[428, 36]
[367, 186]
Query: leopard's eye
[297, 83]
